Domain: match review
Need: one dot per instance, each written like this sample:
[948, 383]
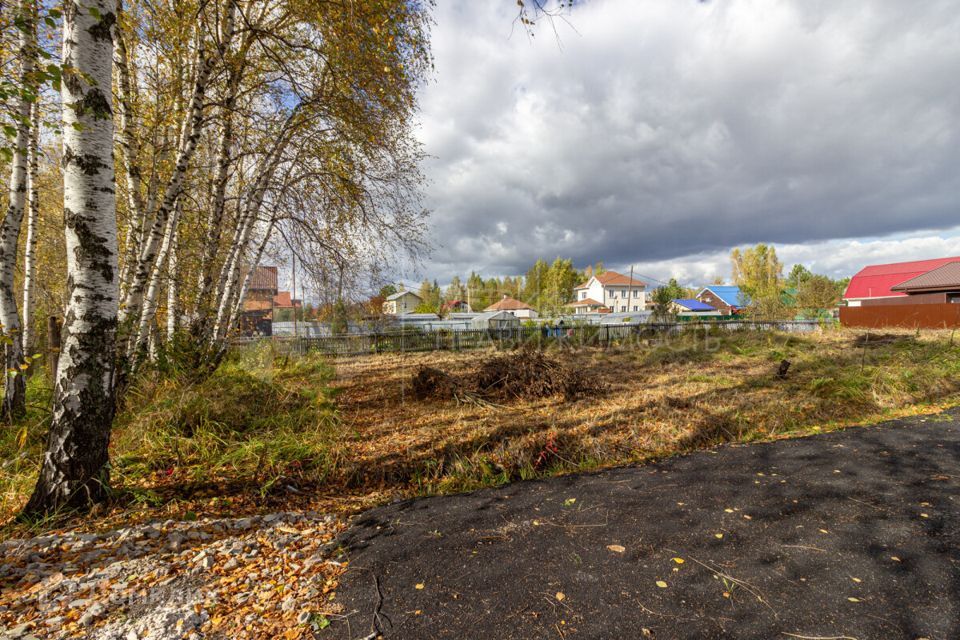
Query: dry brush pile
[524, 374]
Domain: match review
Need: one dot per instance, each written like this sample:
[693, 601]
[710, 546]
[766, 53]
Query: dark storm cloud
[666, 128]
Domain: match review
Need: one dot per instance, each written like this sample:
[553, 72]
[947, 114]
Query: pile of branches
[881, 339]
[524, 374]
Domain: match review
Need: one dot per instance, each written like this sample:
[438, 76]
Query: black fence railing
[573, 336]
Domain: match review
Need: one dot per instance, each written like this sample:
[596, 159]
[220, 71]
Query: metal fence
[568, 336]
[902, 316]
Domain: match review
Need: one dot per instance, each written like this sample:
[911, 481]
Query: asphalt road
[852, 534]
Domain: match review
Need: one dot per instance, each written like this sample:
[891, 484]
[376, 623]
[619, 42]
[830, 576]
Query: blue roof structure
[693, 305]
[730, 294]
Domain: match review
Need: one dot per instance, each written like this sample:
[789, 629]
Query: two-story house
[400, 303]
[610, 292]
[257, 315]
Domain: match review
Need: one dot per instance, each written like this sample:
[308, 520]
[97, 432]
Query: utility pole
[293, 294]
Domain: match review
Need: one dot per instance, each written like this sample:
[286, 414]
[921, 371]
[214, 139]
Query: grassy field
[267, 432]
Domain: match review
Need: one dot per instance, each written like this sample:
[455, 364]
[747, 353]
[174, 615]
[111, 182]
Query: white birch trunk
[189, 137]
[230, 279]
[126, 81]
[215, 220]
[74, 471]
[14, 391]
[150, 300]
[33, 213]
[173, 289]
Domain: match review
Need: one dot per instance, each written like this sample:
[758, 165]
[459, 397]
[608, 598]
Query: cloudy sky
[661, 133]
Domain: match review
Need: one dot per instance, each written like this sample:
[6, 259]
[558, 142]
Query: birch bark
[189, 138]
[149, 310]
[33, 213]
[173, 288]
[131, 151]
[74, 471]
[14, 389]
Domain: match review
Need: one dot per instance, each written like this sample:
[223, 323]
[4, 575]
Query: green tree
[759, 274]
[339, 321]
[798, 275]
[817, 292]
[455, 290]
[561, 279]
[675, 290]
[430, 297]
[662, 309]
[534, 284]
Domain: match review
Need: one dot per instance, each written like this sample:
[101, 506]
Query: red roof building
[878, 280]
[514, 306]
[613, 279]
[283, 301]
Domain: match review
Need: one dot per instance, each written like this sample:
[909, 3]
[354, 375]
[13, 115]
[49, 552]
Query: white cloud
[836, 258]
[671, 128]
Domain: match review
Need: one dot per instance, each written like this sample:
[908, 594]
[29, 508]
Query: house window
[625, 294]
[583, 295]
[613, 294]
[623, 308]
[636, 293]
[636, 308]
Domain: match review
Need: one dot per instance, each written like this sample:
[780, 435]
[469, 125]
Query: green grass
[258, 418]
[262, 422]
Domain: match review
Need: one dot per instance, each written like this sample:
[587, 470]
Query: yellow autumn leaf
[560, 596]
[661, 584]
[616, 548]
[852, 599]
[418, 586]
[718, 535]
[678, 560]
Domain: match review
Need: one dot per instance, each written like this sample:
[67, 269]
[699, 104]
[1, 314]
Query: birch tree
[74, 469]
[33, 216]
[14, 399]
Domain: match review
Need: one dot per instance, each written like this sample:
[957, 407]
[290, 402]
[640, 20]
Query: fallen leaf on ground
[616, 548]
[418, 586]
[661, 584]
[560, 596]
[678, 560]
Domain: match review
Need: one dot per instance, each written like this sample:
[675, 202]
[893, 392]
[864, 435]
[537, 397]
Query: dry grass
[688, 393]
[266, 434]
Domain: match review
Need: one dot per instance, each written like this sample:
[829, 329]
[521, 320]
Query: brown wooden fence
[902, 316]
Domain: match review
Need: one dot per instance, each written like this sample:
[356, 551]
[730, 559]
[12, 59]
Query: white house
[519, 309]
[610, 292]
[401, 302]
